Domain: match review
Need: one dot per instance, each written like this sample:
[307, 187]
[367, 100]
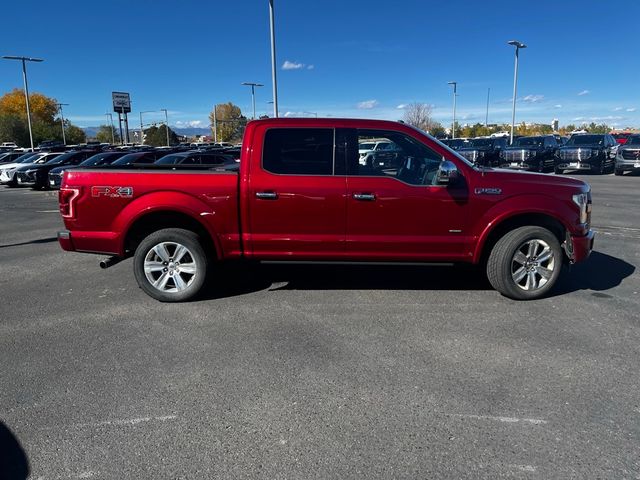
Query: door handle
[267, 195]
[364, 197]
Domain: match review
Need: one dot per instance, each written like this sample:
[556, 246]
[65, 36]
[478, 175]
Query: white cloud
[558, 106]
[287, 65]
[402, 105]
[533, 98]
[310, 67]
[632, 109]
[368, 104]
[583, 92]
[617, 109]
[191, 124]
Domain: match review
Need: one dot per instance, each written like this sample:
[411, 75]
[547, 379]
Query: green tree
[157, 136]
[104, 134]
[13, 128]
[74, 135]
[230, 122]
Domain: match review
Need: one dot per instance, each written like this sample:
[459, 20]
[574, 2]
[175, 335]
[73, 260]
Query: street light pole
[273, 59]
[215, 123]
[253, 95]
[486, 117]
[518, 46]
[113, 134]
[60, 105]
[453, 125]
[26, 87]
[166, 123]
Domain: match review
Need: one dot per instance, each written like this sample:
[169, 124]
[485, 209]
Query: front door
[399, 212]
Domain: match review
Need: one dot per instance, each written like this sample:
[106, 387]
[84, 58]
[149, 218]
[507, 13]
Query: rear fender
[166, 201]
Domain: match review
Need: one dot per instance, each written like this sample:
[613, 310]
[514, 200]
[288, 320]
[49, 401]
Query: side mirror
[448, 173]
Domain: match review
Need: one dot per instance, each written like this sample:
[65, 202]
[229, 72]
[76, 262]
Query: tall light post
[60, 105]
[455, 93]
[215, 123]
[273, 59]
[113, 135]
[518, 46]
[166, 123]
[26, 87]
[253, 95]
[486, 117]
[141, 127]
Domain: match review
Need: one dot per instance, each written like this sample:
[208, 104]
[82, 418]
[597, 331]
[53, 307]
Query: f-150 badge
[488, 191]
[112, 192]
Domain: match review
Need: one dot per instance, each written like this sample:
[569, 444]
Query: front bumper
[578, 248]
[575, 166]
[26, 179]
[627, 165]
[518, 165]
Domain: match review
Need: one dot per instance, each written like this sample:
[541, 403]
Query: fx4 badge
[112, 192]
[488, 191]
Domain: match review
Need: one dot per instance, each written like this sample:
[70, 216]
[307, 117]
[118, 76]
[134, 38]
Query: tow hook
[109, 262]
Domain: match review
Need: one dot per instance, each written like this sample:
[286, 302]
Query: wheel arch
[501, 227]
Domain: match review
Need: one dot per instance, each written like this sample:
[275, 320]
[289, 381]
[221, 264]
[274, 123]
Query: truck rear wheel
[170, 265]
[525, 264]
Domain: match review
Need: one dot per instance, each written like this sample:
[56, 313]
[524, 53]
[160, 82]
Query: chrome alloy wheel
[533, 264]
[170, 267]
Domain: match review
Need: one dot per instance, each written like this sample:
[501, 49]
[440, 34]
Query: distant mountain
[91, 132]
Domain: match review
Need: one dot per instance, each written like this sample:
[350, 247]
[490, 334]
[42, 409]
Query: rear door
[296, 202]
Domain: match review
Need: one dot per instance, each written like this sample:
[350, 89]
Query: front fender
[520, 205]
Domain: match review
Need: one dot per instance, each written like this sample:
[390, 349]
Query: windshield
[40, 158]
[96, 159]
[528, 142]
[128, 159]
[481, 142]
[633, 140]
[25, 157]
[586, 140]
[61, 158]
[366, 146]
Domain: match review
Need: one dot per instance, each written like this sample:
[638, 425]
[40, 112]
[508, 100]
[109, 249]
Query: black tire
[502, 265]
[175, 289]
[558, 171]
[618, 172]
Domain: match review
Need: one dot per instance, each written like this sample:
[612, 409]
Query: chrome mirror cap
[447, 173]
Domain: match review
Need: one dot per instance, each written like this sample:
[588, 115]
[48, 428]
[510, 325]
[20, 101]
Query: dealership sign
[121, 102]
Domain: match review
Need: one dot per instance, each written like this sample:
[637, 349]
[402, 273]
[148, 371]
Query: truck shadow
[600, 273]
[14, 464]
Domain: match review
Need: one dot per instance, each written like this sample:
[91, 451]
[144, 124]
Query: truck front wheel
[170, 265]
[525, 263]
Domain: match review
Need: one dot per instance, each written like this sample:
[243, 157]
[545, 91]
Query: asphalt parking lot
[318, 371]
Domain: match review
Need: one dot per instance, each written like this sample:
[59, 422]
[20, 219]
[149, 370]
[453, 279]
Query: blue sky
[335, 58]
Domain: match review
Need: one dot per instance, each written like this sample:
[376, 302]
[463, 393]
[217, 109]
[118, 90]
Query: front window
[633, 140]
[407, 160]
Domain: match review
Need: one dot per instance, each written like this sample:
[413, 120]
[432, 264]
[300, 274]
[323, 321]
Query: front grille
[631, 154]
[515, 155]
[24, 177]
[575, 154]
[471, 155]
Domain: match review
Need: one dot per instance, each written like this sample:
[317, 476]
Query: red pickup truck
[302, 193]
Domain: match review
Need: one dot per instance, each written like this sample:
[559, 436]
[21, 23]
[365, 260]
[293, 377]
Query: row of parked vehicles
[44, 169]
[592, 153]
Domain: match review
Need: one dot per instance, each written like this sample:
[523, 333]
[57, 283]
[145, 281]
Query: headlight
[582, 201]
[595, 153]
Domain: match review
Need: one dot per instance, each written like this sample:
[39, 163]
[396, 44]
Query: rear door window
[298, 151]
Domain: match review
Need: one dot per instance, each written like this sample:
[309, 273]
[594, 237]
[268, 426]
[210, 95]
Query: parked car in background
[10, 157]
[7, 170]
[587, 152]
[621, 137]
[52, 146]
[6, 146]
[196, 158]
[484, 151]
[92, 159]
[530, 153]
[455, 143]
[628, 156]
[37, 175]
[381, 153]
[233, 152]
[8, 173]
[140, 158]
